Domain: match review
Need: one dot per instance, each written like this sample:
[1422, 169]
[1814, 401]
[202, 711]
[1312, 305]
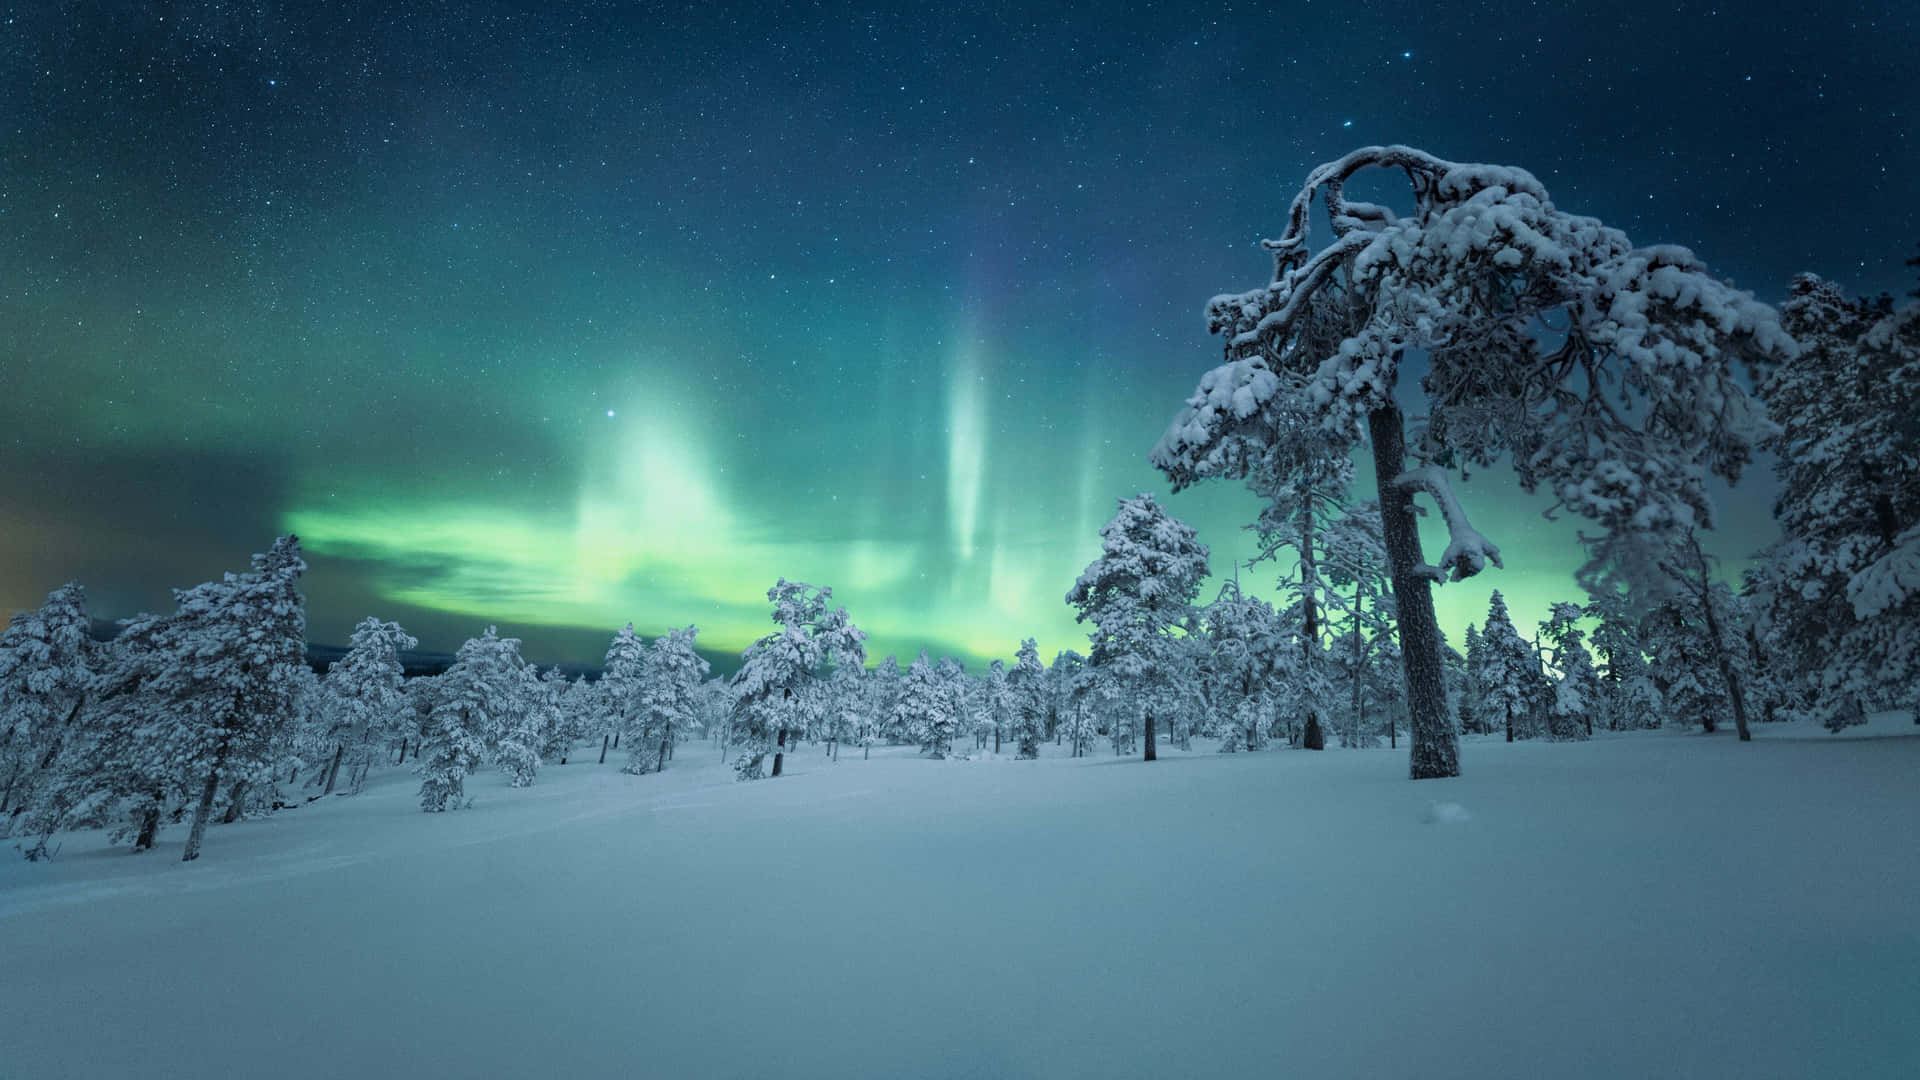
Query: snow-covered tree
[1137, 594]
[562, 708]
[1602, 371]
[1072, 680]
[669, 698]
[234, 650]
[1715, 616]
[924, 710]
[1472, 720]
[622, 681]
[1506, 666]
[1681, 664]
[471, 702]
[951, 674]
[1028, 682]
[1249, 655]
[46, 662]
[883, 695]
[361, 695]
[1628, 699]
[525, 719]
[1577, 693]
[774, 703]
[1840, 610]
[996, 704]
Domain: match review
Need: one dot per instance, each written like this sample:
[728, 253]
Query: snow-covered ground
[1654, 905]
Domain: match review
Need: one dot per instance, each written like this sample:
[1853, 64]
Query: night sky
[559, 315]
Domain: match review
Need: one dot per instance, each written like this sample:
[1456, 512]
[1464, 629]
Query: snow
[1659, 904]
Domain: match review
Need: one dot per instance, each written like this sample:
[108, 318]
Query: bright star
[609, 412]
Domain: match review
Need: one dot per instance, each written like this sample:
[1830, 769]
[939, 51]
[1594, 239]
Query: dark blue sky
[560, 318]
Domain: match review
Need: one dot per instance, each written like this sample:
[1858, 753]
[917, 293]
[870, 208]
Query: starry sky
[562, 315]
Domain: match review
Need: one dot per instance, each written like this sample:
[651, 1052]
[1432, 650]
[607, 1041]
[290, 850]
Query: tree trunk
[333, 770]
[204, 808]
[1735, 692]
[1434, 750]
[996, 739]
[236, 802]
[1313, 738]
[603, 749]
[616, 740]
[664, 743]
[779, 751]
[1152, 754]
[149, 825]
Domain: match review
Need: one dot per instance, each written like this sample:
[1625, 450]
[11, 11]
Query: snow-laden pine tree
[883, 694]
[1072, 681]
[1249, 655]
[1354, 563]
[1629, 699]
[776, 699]
[669, 698]
[1506, 665]
[1681, 665]
[234, 650]
[46, 661]
[471, 704]
[622, 679]
[361, 694]
[924, 710]
[1602, 371]
[1577, 693]
[524, 720]
[1841, 611]
[952, 677]
[996, 704]
[1715, 614]
[563, 728]
[117, 766]
[1137, 594]
[1471, 719]
[1028, 682]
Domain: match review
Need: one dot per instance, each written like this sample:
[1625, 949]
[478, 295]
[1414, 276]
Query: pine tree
[1506, 665]
[1471, 720]
[1137, 593]
[997, 704]
[924, 711]
[1622, 412]
[1840, 610]
[776, 699]
[467, 717]
[669, 698]
[46, 662]
[622, 679]
[1247, 659]
[1577, 693]
[524, 719]
[361, 693]
[1072, 679]
[1028, 682]
[557, 701]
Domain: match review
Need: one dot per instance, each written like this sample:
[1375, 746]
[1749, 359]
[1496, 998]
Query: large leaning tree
[1605, 372]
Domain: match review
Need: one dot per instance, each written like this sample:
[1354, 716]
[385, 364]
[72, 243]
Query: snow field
[1646, 905]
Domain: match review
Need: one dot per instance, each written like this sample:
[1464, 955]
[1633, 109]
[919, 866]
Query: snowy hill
[1648, 905]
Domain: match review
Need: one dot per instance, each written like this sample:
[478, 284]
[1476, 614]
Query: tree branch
[1468, 552]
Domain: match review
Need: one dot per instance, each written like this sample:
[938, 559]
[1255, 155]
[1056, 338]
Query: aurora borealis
[560, 316]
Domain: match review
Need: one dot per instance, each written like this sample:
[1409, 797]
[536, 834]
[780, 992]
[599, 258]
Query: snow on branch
[1468, 551]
